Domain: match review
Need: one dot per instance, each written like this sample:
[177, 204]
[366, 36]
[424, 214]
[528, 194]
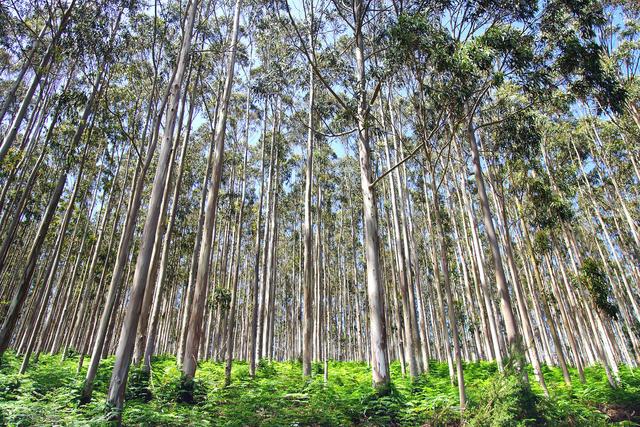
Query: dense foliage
[48, 395]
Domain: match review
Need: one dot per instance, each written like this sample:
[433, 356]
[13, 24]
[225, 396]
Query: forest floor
[48, 395]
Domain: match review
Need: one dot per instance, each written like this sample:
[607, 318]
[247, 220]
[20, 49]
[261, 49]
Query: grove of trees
[321, 180]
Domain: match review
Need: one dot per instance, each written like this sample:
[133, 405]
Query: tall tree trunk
[236, 253]
[127, 336]
[190, 357]
[21, 293]
[8, 325]
[401, 265]
[444, 265]
[56, 258]
[513, 337]
[530, 344]
[187, 298]
[375, 287]
[253, 332]
[149, 291]
[307, 320]
[164, 259]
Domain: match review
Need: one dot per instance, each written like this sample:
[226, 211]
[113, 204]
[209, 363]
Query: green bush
[279, 396]
[508, 402]
[384, 410]
[138, 384]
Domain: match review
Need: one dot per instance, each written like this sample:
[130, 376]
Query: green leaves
[592, 277]
[569, 29]
[518, 135]
[546, 208]
[507, 402]
[278, 396]
[542, 242]
[221, 299]
[511, 42]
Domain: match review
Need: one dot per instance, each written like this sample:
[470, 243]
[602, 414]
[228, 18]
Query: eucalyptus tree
[141, 134]
[231, 321]
[355, 15]
[190, 356]
[271, 84]
[103, 60]
[127, 335]
[307, 227]
[57, 30]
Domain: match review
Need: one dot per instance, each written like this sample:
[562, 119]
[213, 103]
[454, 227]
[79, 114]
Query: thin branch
[408, 157]
[327, 135]
[498, 121]
[311, 61]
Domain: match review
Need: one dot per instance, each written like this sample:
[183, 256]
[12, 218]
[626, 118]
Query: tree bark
[375, 287]
[513, 337]
[124, 351]
[190, 357]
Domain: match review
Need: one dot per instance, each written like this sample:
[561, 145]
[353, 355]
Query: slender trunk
[51, 276]
[375, 287]
[8, 325]
[256, 266]
[149, 293]
[236, 253]
[307, 320]
[444, 264]
[190, 357]
[513, 337]
[127, 336]
[21, 293]
[401, 264]
[530, 344]
[151, 339]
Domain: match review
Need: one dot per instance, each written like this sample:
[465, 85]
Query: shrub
[508, 402]
[138, 384]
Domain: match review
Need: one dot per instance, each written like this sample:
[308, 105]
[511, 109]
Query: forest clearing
[320, 212]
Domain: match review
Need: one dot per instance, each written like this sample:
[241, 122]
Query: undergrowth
[48, 394]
